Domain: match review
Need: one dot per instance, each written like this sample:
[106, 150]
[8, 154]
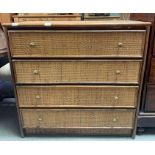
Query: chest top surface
[76, 24]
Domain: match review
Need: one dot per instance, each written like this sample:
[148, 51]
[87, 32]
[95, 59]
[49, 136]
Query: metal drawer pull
[37, 97]
[32, 44]
[114, 120]
[118, 72]
[35, 71]
[120, 44]
[116, 97]
[40, 119]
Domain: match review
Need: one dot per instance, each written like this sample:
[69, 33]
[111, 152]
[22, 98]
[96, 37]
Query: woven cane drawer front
[71, 118]
[77, 96]
[79, 71]
[99, 43]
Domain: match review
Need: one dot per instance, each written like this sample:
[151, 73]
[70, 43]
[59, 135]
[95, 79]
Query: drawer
[77, 71]
[80, 118]
[150, 99]
[152, 71]
[77, 96]
[88, 43]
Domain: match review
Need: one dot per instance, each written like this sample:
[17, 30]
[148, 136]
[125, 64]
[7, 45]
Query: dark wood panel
[81, 131]
[146, 121]
[150, 98]
[154, 44]
[146, 17]
[152, 71]
[145, 130]
[142, 16]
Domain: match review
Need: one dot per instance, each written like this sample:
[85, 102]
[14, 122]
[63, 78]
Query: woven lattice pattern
[77, 71]
[61, 118]
[70, 44]
[76, 96]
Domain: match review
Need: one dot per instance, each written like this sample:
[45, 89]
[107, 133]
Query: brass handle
[35, 71]
[32, 44]
[118, 72]
[37, 97]
[116, 97]
[120, 44]
[40, 119]
[114, 120]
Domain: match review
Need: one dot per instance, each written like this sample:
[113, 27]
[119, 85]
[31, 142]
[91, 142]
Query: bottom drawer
[80, 120]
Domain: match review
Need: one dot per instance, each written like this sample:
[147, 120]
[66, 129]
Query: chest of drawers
[80, 77]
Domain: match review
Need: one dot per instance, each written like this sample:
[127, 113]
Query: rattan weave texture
[65, 118]
[77, 44]
[78, 71]
[77, 96]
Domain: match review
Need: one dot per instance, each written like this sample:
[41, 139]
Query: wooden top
[77, 23]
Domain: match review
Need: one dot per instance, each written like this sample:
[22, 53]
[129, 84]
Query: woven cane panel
[77, 71]
[77, 44]
[65, 118]
[76, 96]
[79, 131]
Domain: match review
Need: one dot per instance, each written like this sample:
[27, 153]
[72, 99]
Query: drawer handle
[120, 44]
[118, 72]
[114, 120]
[38, 97]
[116, 97]
[35, 71]
[32, 44]
[40, 119]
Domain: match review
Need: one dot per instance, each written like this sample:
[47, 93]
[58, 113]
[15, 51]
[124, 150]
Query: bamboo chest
[78, 77]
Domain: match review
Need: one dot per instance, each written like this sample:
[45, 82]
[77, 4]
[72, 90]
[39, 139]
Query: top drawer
[77, 43]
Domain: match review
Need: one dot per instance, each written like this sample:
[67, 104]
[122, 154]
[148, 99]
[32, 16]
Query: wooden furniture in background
[146, 117]
[6, 17]
[99, 16]
[78, 77]
[106, 16]
[21, 17]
